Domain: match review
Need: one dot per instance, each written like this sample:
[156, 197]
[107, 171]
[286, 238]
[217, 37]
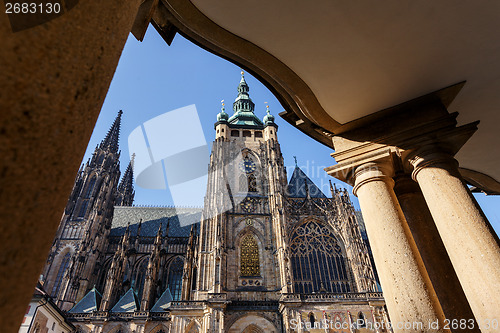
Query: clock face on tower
[247, 165]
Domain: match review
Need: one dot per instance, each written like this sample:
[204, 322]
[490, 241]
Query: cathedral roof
[300, 184]
[151, 218]
[88, 303]
[128, 303]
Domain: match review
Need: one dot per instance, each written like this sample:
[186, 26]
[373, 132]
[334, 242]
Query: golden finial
[242, 73]
[222, 102]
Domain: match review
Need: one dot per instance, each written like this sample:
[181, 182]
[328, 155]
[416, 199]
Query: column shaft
[54, 80]
[471, 243]
[397, 261]
[433, 253]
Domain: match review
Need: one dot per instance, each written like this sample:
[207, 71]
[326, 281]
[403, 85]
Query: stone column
[433, 253]
[472, 245]
[55, 76]
[407, 292]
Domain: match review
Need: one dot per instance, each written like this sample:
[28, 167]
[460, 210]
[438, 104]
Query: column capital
[379, 170]
[368, 157]
[431, 156]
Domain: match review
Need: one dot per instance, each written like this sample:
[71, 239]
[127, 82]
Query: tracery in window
[252, 183]
[247, 183]
[140, 276]
[317, 260]
[175, 278]
[249, 257]
[90, 187]
[60, 274]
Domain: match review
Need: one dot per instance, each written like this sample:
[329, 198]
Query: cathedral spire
[243, 108]
[126, 191]
[111, 140]
[243, 103]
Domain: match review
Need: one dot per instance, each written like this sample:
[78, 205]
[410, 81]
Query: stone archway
[252, 324]
[253, 329]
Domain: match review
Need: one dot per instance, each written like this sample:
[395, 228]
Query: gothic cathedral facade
[263, 255]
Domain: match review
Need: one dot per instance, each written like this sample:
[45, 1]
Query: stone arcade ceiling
[359, 57]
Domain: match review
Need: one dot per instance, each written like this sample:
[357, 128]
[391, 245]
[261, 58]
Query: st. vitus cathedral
[264, 255]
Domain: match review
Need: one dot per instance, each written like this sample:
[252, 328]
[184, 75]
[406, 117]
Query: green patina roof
[243, 108]
[246, 119]
[268, 118]
[88, 303]
[128, 303]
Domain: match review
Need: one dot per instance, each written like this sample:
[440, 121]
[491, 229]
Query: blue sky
[153, 78]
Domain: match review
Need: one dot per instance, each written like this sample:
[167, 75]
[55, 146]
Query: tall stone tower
[82, 235]
[264, 242]
[236, 257]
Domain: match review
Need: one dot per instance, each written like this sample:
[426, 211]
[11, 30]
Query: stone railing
[331, 297]
[187, 305]
[107, 315]
[217, 297]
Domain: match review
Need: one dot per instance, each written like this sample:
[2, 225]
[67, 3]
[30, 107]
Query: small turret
[222, 116]
[268, 118]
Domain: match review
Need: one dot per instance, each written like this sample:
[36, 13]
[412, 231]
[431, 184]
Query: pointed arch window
[249, 257]
[247, 183]
[140, 276]
[312, 319]
[175, 278]
[60, 274]
[242, 186]
[252, 183]
[86, 197]
[317, 260]
[90, 187]
[104, 272]
[361, 320]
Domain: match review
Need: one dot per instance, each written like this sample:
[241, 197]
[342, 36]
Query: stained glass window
[317, 260]
[252, 183]
[247, 183]
[249, 264]
[90, 187]
[60, 274]
[175, 278]
[140, 276]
